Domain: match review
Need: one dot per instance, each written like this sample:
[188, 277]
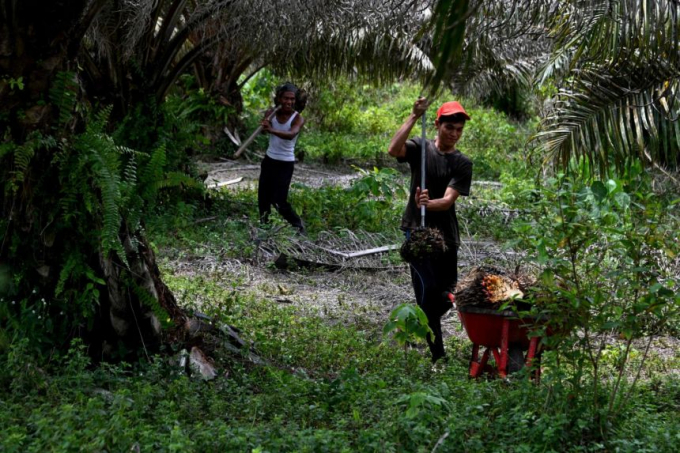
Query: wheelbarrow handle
[451, 297]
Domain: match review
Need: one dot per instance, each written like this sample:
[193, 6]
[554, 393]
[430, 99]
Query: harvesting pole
[245, 144]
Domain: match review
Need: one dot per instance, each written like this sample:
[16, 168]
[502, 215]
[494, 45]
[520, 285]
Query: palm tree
[136, 50]
[614, 65]
[65, 235]
[72, 200]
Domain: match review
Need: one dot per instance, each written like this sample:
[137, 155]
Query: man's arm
[437, 204]
[295, 128]
[397, 146]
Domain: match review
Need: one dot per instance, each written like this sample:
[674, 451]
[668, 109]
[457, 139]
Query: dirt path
[344, 296]
[338, 296]
[310, 175]
[346, 293]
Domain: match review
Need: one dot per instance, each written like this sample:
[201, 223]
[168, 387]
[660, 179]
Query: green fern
[153, 173]
[91, 182]
[64, 95]
[22, 159]
[23, 154]
[150, 301]
[72, 261]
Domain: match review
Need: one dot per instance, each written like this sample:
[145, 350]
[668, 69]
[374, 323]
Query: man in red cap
[448, 176]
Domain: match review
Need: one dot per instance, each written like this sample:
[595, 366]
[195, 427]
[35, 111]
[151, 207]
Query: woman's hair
[300, 95]
[286, 87]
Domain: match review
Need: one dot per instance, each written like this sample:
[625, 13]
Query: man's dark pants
[275, 177]
[431, 278]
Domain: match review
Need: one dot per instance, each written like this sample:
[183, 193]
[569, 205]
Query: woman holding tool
[283, 124]
[448, 173]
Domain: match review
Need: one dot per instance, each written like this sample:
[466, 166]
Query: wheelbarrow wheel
[515, 358]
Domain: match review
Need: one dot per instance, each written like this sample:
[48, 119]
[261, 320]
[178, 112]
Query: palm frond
[617, 63]
[501, 44]
[609, 118]
[573, 30]
[450, 18]
[493, 67]
[363, 54]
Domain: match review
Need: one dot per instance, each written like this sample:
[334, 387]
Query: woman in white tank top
[279, 148]
[278, 164]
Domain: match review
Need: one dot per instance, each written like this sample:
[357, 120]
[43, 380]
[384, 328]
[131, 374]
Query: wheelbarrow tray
[484, 326]
[504, 335]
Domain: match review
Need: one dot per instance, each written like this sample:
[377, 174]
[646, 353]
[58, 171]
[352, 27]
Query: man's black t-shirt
[442, 170]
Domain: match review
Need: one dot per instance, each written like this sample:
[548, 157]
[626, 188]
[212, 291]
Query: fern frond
[98, 162]
[129, 151]
[101, 118]
[25, 152]
[73, 261]
[152, 173]
[64, 95]
[147, 299]
[22, 159]
[108, 182]
[130, 171]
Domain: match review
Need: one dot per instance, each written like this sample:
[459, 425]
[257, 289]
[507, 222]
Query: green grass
[331, 387]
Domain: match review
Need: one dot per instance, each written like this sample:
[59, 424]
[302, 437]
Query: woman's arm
[295, 128]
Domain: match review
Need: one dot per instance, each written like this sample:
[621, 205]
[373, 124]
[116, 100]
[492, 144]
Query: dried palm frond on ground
[488, 286]
[332, 250]
[423, 243]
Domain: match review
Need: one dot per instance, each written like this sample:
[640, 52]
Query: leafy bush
[372, 203]
[408, 323]
[193, 121]
[350, 107]
[497, 146]
[605, 249]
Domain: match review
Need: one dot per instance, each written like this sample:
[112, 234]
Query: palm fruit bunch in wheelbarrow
[488, 287]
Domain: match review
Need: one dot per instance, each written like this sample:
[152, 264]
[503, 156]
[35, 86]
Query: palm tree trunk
[39, 42]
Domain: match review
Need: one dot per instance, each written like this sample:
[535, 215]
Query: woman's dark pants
[275, 177]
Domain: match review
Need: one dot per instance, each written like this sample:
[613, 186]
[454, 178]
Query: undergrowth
[330, 387]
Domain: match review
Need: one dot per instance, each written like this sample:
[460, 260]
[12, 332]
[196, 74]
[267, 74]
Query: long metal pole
[422, 169]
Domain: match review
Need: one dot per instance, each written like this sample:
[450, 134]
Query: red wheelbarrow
[504, 335]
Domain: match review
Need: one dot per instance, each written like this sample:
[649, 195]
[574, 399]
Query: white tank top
[279, 148]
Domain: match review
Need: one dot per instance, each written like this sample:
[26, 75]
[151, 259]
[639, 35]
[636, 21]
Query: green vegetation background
[335, 386]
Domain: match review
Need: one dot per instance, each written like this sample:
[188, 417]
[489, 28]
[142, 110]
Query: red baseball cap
[452, 108]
